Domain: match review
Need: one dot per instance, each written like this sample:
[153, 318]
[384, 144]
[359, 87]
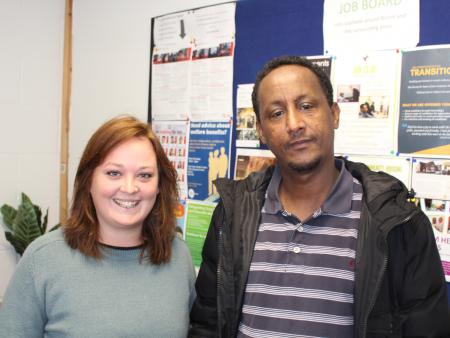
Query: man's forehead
[288, 73]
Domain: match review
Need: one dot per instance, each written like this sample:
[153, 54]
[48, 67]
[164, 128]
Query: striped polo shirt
[301, 277]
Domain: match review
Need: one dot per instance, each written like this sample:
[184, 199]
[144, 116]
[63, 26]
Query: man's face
[296, 122]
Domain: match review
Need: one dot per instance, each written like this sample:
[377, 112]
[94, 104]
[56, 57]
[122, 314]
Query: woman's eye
[145, 176]
[113, 173]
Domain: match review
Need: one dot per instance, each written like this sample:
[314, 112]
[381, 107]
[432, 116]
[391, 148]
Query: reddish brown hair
[82, 230]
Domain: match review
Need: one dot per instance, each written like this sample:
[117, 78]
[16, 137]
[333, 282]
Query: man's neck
[303, 193]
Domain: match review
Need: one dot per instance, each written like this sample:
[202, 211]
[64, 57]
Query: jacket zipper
[219, 280]
[380, 276]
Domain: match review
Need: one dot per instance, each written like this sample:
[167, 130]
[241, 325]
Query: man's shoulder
[255, 181]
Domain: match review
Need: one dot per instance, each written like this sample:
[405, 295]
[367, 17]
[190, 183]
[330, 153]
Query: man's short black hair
[279, 61]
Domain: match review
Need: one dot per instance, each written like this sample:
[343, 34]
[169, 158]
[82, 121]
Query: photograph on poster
[183, 54]
[222, 49]
[374, 107]
[246, 135]
[348, 93]
[431, 178]
[249, 160]
[438, 212]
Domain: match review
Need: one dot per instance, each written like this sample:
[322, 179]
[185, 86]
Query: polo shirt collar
[338, 202]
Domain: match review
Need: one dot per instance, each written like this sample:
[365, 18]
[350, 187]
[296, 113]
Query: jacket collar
[338, 202]
[385, 196]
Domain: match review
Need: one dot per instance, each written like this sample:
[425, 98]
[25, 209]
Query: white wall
[31, 59]
[111, 50]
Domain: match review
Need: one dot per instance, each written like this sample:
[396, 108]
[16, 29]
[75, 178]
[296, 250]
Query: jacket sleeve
[424, 294]
[204, 311]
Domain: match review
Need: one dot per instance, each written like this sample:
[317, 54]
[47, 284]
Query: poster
[192, 64]
[174, 139]
[211, 87]
[324, 62]
[251, 160]
[180, 214]
[399, 167]
[246, 134]
[438, 212]
[424, 124]
[370, 25]
[197, 223]
[170, 67]
[209, 153]
[365, 91]
[431, 178]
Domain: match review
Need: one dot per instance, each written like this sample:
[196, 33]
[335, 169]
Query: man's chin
[305, 167]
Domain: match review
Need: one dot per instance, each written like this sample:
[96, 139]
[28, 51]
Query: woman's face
[124, 189]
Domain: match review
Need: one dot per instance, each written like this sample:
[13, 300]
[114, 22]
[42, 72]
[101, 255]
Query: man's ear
[336, 113]
[260, 132]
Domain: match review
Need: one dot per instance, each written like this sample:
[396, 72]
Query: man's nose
[294, 121]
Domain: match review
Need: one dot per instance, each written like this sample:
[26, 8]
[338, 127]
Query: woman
[116, 269]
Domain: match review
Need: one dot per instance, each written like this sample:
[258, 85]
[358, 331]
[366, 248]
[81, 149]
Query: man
[365, 111]
[315, 246]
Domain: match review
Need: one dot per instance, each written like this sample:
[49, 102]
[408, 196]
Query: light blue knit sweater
[59, 292]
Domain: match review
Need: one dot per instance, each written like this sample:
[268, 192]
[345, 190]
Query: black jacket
[400, 289]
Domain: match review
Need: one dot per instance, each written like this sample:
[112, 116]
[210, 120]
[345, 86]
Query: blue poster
[208, 159]
[424, 125]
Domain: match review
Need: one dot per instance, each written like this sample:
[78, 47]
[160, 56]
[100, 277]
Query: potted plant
[24, 224]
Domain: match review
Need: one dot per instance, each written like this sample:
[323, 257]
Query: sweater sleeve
[204, 311]
[424, 295]
[22, 311]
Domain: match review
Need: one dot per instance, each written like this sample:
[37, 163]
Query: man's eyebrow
[301, 98]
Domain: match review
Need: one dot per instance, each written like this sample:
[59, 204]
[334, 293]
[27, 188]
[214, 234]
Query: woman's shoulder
[180, 251]
[182, 258]
[179, 246]
[47, 242]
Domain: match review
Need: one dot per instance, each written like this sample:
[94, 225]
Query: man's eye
[113, 173]
[305, 106]
[276, 113]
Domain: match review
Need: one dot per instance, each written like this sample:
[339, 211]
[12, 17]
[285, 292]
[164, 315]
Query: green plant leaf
[38, 212]
[9, 214]
[55, 227]
[18, 245]
[26, 227]
[44, 222]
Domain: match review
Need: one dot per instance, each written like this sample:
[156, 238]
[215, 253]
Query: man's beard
[303, 168]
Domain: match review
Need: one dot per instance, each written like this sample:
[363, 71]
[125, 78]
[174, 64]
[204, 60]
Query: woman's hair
[82, 229]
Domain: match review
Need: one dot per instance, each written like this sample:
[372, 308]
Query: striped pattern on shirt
[301, 277]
